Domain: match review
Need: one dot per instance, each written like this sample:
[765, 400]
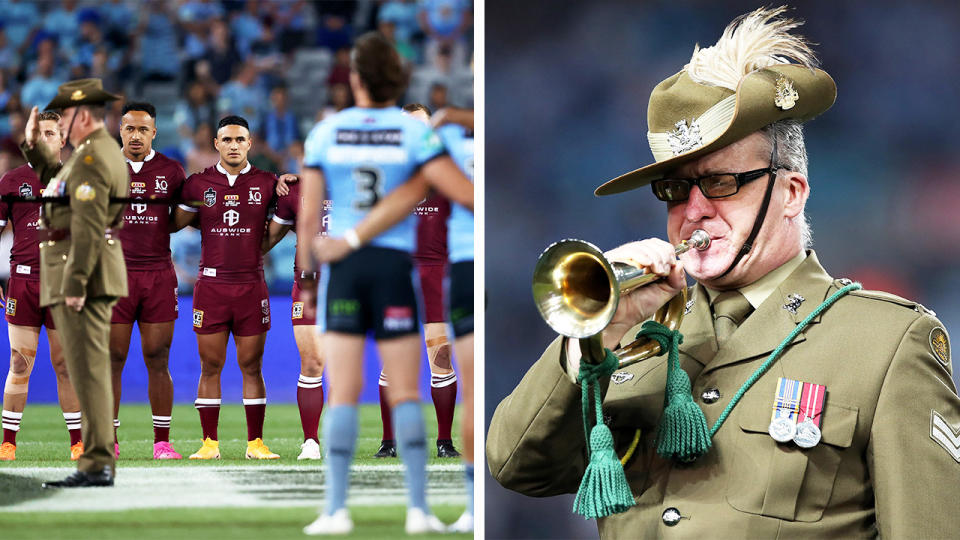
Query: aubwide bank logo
[231, 217]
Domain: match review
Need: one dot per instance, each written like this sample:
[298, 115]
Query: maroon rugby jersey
[24, 218]
[145, 235]
[288, 207]
[432, 217]
[232, 221]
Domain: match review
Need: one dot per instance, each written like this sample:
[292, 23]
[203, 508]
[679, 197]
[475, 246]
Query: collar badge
[793, 302]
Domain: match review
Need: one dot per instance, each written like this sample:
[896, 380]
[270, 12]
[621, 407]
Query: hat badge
[786, 96]
[77, 95]
[684, 137]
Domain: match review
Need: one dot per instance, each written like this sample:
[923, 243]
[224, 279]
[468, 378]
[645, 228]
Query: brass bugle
[577, 291]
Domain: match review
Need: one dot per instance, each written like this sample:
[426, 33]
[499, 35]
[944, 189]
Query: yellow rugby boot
[8, 452]
[76, 451]
[257, 450]
[209, 450]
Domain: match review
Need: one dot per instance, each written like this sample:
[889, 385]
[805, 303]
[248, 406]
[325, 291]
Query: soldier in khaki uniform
[872, 369]
[82, 269]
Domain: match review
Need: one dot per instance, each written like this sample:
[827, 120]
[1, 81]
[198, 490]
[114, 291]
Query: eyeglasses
[713, 186]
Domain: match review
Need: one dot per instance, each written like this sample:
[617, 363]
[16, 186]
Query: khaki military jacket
[85, 263]
[888, 462]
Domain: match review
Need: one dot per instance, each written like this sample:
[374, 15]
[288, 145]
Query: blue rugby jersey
[459, 142]
[364, 154]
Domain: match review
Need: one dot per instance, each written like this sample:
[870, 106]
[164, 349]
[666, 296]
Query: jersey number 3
[369, 182]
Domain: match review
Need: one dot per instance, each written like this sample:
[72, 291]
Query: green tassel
[684, 435]
[604, 489]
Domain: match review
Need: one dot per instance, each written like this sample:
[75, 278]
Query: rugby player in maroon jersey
[230, 295]
[152, 302]
[304, 318]
[23, 312]
[430, 260]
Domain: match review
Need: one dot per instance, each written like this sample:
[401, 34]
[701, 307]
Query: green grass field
[229, 498]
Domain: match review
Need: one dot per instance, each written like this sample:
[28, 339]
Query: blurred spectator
[279, 126]
[292, 22]
[445, 23]
[185, 250]
[101, 68]
[91, 38]
[222, 56]
[438, 96]
[265, 53]
[340, 71]
[294, 162]
[388, 29]
[199, 12]
[41, 87]
[403, 14]
[10, 144]
[158, 53]
[246, 26]
[20, 19]
[338, 98]
[243, 97]
[9, 56]
[335, 30]
[118, 19]
[197, 108]
[202, 154]
[62, 21]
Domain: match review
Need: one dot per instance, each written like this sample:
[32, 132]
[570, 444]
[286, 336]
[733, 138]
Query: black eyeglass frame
[742, 179]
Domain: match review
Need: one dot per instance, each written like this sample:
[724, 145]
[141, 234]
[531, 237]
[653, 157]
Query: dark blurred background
[567, 85]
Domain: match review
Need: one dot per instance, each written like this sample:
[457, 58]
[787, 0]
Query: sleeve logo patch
[297, 310]
[945, 435]
[940, 345]
[12, 307]
[197, 318]
[85, 192]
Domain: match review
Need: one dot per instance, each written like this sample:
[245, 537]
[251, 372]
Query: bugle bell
[577, 291]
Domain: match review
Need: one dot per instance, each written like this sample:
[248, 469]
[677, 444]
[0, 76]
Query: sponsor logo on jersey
[197, 318]
[265, 320]
[297, 310]
[432, 142]
[138, 187]
[255, 197]
[398, 318]
[138, 207]
[209, 197]
[392, 137]
[176, 301]
[231, 217]
[161, 184]
[265, 306]
[12, 307]
[26, 190]
[231, 200]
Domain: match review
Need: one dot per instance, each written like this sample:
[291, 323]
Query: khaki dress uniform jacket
[85, 260]
[888, 462]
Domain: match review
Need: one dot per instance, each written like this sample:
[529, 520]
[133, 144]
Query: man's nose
[699, 207]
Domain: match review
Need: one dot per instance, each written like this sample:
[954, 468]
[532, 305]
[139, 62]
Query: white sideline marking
[236, 486]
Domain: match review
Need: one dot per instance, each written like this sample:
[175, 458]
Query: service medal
[783, 421]
[782, 429]
[807, 434]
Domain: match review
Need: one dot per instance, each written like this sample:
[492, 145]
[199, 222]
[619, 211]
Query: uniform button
[64, 257]
[671, 516]
[110, 242]
[710, 395]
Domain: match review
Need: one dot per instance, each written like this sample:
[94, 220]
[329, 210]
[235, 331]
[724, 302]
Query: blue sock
[340, 438]
[412, 447]
[468, 476]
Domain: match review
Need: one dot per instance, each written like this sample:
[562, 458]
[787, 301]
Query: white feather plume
[753, 41]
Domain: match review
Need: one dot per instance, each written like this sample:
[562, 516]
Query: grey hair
[791, 155]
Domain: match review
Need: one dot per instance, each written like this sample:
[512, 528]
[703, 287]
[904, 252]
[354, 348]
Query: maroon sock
[10, 436]
[310, 402]
[209, 410]
[73, 420]
[443, 390]
[385, 416]
[256, 409]
[75, 436]
[161, 429]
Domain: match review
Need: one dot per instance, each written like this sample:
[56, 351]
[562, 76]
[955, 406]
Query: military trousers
[85, 338]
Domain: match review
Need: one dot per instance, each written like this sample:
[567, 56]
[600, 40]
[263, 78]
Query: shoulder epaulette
[887, 297]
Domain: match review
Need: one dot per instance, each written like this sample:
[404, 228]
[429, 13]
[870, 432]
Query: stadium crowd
[282, 65]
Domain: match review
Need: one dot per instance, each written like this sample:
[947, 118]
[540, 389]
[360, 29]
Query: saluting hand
[32, 129]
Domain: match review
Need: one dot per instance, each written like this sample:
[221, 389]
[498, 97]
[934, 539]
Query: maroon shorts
[431, 286]
[23, 304]
[152, 298]
[297, 312]
[241, 308]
